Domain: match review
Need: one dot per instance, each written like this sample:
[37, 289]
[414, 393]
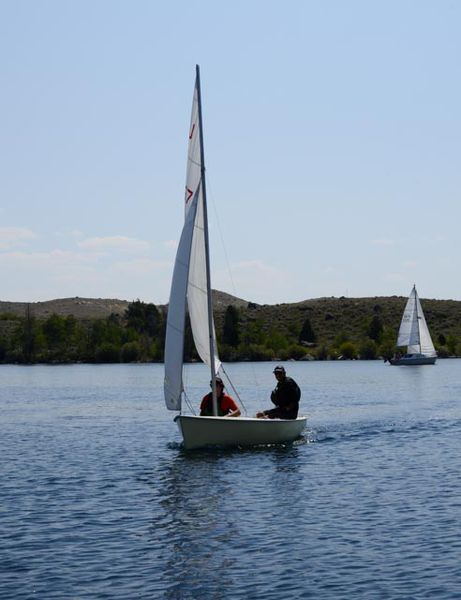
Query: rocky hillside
[81, 308]
[328, 316]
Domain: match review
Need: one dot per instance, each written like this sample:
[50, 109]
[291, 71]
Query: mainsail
[190, 276]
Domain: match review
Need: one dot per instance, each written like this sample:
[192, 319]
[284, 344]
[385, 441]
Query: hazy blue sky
[332, 142]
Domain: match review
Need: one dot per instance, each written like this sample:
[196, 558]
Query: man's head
[279, 372]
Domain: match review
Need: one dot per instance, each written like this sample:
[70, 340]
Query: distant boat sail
[191, 288]
[414, 334]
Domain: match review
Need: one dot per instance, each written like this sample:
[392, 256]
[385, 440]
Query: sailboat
[414, 333]
[191, 290]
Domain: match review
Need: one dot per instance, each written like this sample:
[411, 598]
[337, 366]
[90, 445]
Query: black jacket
[286, 396]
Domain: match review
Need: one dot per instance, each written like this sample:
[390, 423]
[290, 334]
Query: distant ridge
[81, 308]
[97, 308]
[328, 315]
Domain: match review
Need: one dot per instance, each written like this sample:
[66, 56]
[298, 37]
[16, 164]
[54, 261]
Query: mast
[207, 247]
[417, 317]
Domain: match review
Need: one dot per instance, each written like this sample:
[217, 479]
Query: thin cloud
[114, 243]
[171, 244]
[43, 259]
[254, 280]
[142, 266]
[383, 242]
[11, 237]
[394, 278]
[410, 264]
[74, 233]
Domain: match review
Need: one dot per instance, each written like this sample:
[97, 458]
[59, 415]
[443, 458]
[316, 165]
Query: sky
[332, 145]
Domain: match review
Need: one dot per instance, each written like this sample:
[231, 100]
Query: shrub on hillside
[257, 353]
[107, 353]
[130, 352]
[347, 351]
[321, 353]
[367, 350]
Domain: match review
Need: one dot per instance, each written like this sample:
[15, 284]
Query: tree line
[139, 336]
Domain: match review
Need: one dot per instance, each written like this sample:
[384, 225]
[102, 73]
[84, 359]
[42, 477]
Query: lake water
[99, 500]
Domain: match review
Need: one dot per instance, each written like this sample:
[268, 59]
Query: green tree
[341, 338]
[106, 330]
[387, 348]
[253, 333]
[367, 349]
[54, 330]
[231, 332]
[70, 327]
[28, 336]
[321, 352]
[276, 341]
[107, 353]
[190, 352]
[257, 352]
[130, 352]
[375, 329]
[3, 348]
[143, 318]
[347, 350]
[451, 344]
[294, 351]
[307, 334]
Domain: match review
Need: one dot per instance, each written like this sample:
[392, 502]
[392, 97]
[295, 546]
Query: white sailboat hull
[198, 432]
[418, 359]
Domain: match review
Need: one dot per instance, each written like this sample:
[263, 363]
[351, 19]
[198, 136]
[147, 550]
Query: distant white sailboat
[414, 334]
[191, 286]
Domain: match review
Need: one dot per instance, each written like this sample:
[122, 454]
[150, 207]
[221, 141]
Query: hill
[329, 316]
[80, 308]
[332, 316]
[112, 330]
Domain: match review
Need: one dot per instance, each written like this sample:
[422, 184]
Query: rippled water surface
[99, 500]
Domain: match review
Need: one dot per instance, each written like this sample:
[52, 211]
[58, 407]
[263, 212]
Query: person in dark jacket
[285, 396]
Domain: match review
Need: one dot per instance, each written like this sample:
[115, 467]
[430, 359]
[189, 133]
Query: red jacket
[226, 405]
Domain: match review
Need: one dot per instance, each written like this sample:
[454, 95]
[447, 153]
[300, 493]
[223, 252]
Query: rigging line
[211, 193]
[234, 289]
[188, 402]
[233, 389]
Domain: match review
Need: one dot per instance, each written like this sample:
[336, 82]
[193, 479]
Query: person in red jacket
[226, 405]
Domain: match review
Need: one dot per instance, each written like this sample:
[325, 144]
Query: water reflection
[195, 498]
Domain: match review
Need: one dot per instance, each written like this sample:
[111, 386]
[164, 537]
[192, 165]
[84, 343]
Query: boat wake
[367, 431]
